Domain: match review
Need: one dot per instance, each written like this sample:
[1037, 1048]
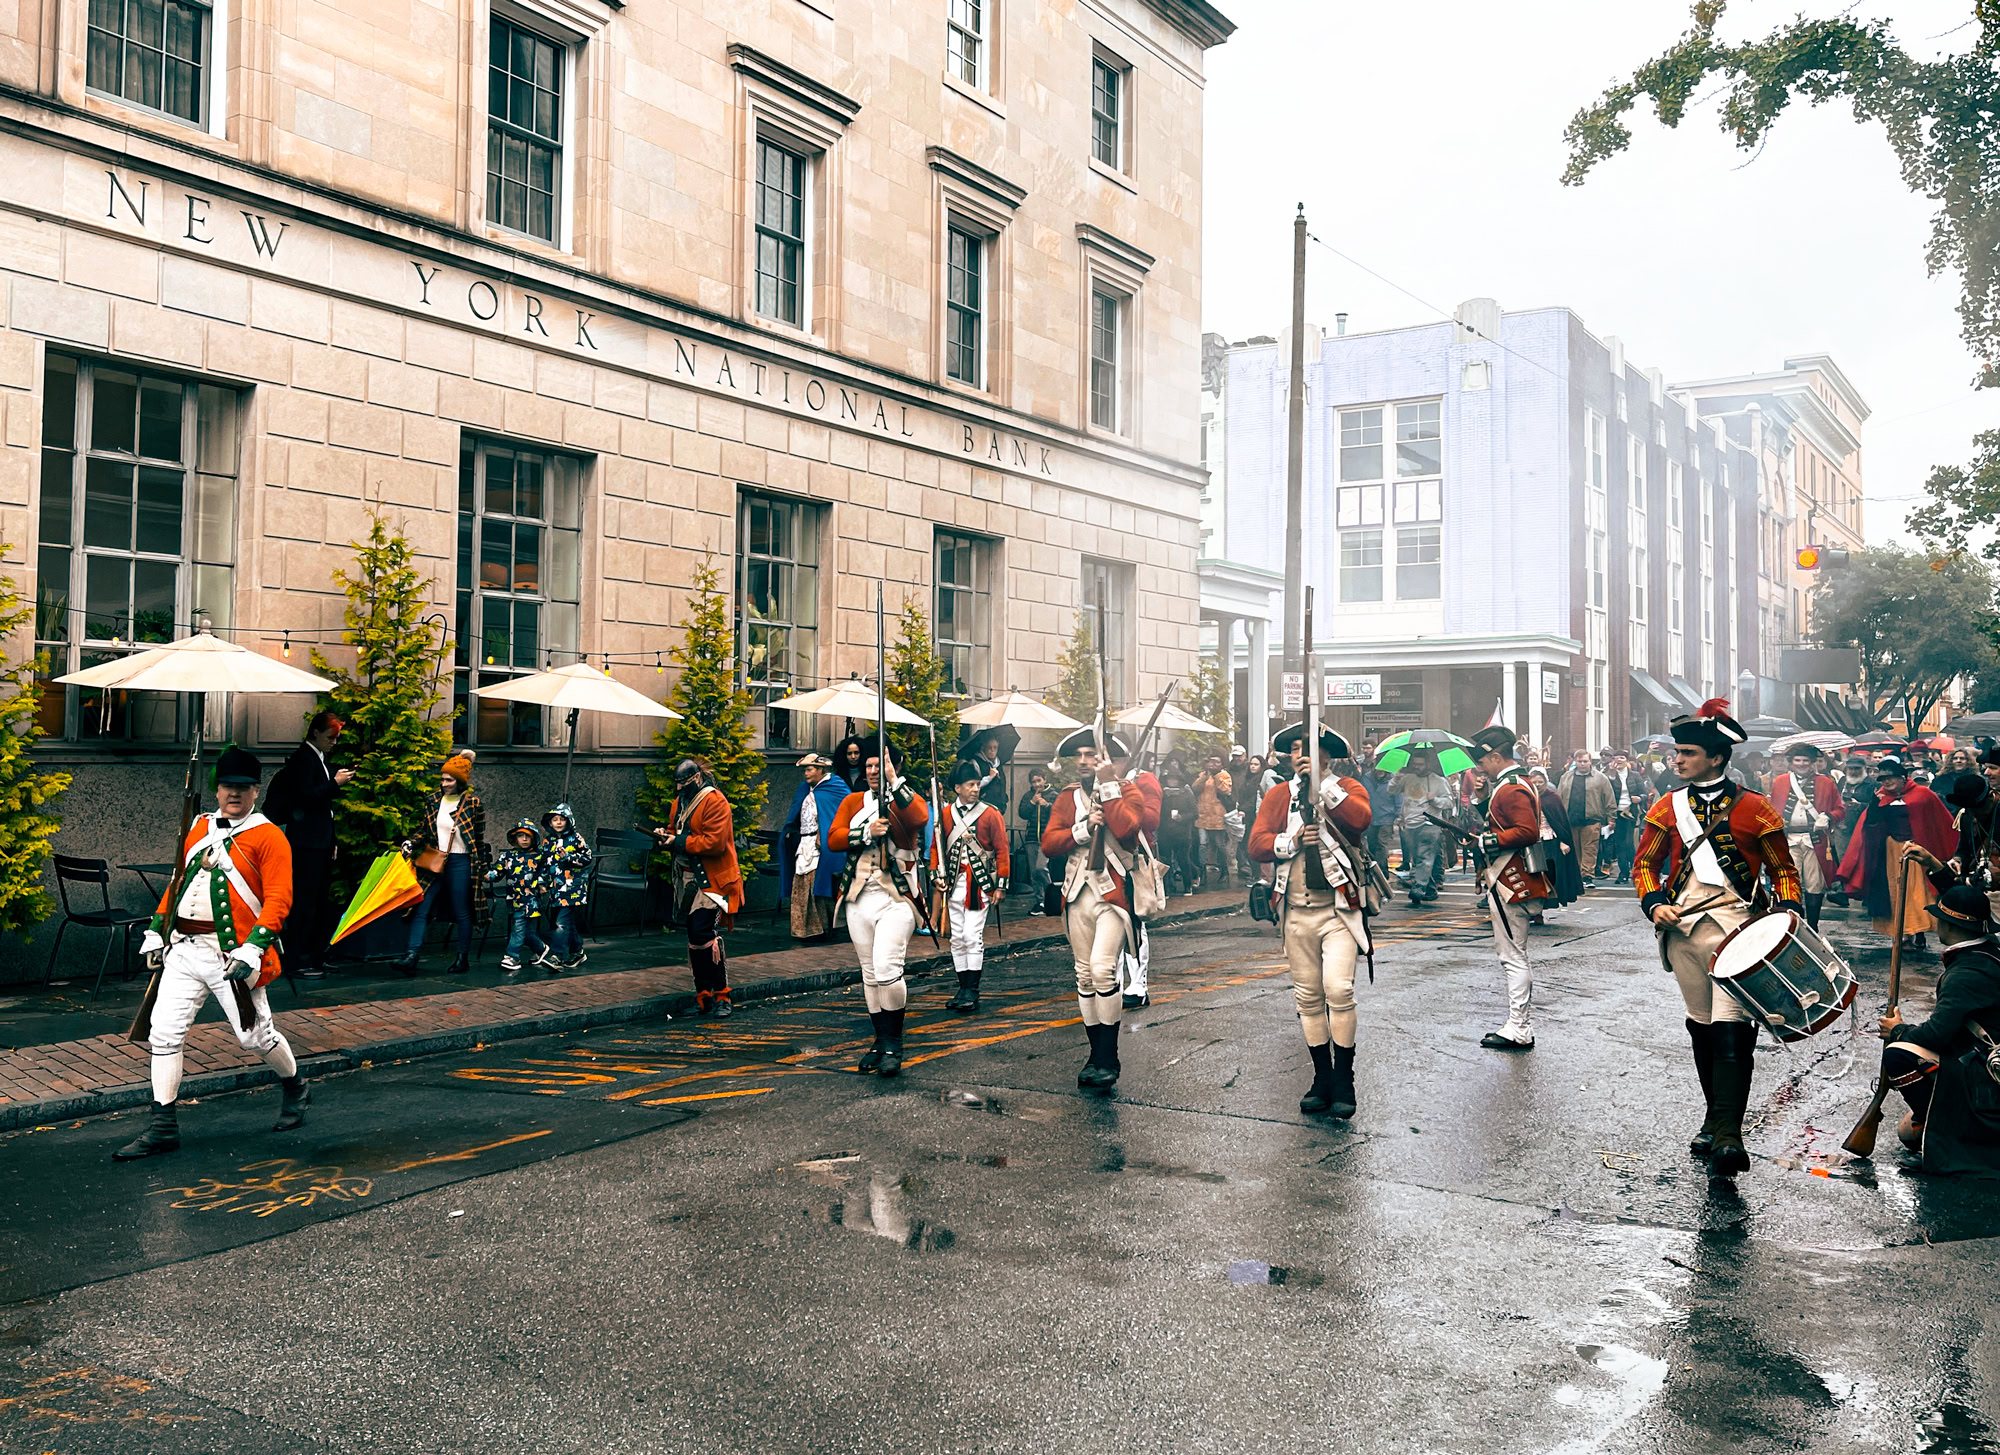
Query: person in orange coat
[1729, 838]
[1122, 808]
[970, 866]
[881, 834]
[708, 886]
[214, 934]
[1513, 880]
[1320, 896]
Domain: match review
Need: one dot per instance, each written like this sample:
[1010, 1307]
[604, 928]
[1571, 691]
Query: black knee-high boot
[891, 1063]
[872, 1058]
[1813, 902]
[1320, 1096]
[1343, 1083]
[1703, 1041]
[1734, 1042]
[1094, 1070]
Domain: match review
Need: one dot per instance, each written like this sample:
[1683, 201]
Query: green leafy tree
[1939, 118]
[1075, 690]
[714, 723]
[395, 737]
[917, 681]
[1919, 621]
[1208, 697]
[27, 821]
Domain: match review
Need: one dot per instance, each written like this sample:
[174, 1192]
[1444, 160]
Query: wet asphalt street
[691, 1236]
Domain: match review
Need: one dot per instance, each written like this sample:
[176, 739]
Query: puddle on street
[885, 1210]
[1953, 1429]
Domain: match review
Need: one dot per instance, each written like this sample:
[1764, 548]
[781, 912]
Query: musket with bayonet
[890, 785]
[1103, 735]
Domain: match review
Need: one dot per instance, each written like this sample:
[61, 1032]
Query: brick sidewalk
[68, 1079]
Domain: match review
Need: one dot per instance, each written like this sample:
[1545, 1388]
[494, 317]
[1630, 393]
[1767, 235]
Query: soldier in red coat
[1321, 898]
[1513, 879]
[1121, 809]
[1702, 850]
[969, 867]
[1809, 802]
[1903, 814]
[708, 883]
[881, 832]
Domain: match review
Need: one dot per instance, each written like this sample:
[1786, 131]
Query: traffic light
[1820, 558]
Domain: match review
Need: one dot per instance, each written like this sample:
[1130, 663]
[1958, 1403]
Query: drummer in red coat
[1515, 884]
[1703, 850]
[1097, 907]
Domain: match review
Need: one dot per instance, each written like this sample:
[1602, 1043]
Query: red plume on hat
[1711, 729]
[1714, 707]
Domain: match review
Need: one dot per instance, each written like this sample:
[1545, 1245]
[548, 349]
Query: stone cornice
[794, 85]
[1197, 19]
[969, 173]
[1136, 259]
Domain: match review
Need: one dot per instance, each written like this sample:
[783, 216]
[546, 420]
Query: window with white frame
[963, 612]
[1635, 549]
[1107, 349]
[1676, 569]
[136, 534]
[783, 193]
[1110, 96]
[1361, 444]
[1361, 565]
[966, 41]
[520, 535]
[965, 306]
[152, 53]
[525, 130]
[1377, 514]
[1419, 439]
[777, 614]
[1111, 583]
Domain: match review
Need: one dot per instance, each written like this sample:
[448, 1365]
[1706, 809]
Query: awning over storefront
[1684, 690]
[1654, 690]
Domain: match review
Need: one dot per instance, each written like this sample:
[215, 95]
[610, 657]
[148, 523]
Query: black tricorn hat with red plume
[1711, 728]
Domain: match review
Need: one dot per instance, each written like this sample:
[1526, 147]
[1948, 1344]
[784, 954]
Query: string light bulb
[288, 646]
[659, 669]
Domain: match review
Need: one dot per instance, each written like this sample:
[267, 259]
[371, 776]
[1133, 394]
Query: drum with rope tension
[1789, 978]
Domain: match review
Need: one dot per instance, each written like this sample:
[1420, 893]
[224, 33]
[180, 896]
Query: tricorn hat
[1802, 750]
[236, 766]
[965, 771]
[1989, 756]
[1495, 739]
[1331, 743]
[1968, 790]
[1086, 737]
[1964, 907]
[1711, 728]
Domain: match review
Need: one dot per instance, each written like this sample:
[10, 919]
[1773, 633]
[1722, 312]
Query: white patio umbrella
[1172, 719]
[1017, 710]
[852, 698]
[581, 688]
[197, 665]
[1826, 742]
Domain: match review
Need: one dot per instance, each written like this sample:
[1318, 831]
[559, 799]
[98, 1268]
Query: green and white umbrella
[1392, 754]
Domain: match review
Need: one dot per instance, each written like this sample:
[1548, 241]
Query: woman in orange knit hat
[450, 852]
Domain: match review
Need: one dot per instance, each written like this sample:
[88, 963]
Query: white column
[1510, 714]
[1258, 729]
[1535, 706]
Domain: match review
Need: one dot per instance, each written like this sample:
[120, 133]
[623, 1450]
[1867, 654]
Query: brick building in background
[581, 295]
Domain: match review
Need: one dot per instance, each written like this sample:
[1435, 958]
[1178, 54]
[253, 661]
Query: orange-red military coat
[989, 831]
[1514, 819]
[906, 825]
[1135, 811]
[711, 838]
[1753, 845]
[263, 856]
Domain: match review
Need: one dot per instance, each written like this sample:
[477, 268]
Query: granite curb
[17, 1115]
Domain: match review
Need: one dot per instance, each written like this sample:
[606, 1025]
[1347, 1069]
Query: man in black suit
[301, 803]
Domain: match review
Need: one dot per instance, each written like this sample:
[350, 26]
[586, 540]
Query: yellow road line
[470, 1152]
[709, 1096]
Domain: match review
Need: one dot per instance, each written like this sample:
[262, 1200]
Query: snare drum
[1785, 975]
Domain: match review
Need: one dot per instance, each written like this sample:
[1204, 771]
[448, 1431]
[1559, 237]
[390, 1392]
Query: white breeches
[1321, 951]
[195, 969]
[968, 932]
[1096, 940]
[881, 924]
[1133, 969]
[1812, 878]
[1510, 942]
[1689, 957]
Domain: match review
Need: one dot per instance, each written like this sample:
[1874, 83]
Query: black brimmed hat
[1891, 766]
[1711, 728]
[1964, 907]
[1968, 790]
[1802, 750]
[1331, 743]
[1989, 756]
[1495, 739]
[965, 771]
[237, 767]
[1086, 737]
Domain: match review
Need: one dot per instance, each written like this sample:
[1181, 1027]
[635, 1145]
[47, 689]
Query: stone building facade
[822, 292]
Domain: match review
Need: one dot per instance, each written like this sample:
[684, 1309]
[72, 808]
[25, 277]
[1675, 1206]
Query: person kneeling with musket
[1321, 897]
[1944, 1066]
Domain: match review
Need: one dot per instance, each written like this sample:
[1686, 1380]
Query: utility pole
[1295, 458]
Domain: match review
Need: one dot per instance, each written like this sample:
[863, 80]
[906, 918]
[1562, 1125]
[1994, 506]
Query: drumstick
[1861, 1141]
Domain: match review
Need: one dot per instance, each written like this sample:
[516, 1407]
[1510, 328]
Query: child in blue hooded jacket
[519, 873]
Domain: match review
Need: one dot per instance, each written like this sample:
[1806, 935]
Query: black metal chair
[623, 860]
[92, 871]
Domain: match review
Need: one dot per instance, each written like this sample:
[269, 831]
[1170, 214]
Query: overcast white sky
[1425, 139]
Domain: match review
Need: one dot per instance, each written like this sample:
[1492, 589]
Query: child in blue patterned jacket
[566, 862]
[520, 872]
